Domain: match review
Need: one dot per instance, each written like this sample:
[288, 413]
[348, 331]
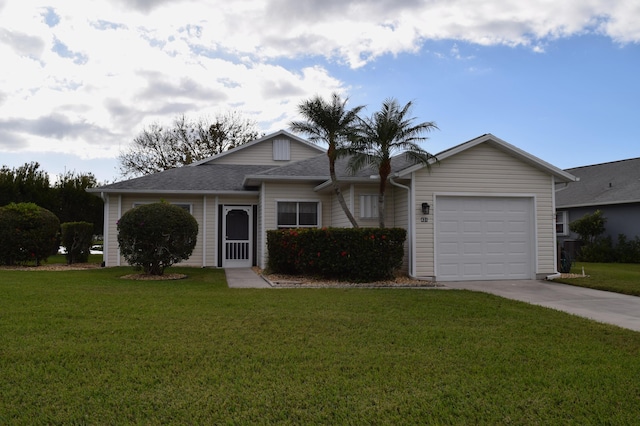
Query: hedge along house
[485, 211]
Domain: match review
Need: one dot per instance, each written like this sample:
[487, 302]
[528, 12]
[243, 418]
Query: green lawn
[617, 277]
[86, 347]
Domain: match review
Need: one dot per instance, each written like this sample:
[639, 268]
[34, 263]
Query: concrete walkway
[602, 306]
[244, 278]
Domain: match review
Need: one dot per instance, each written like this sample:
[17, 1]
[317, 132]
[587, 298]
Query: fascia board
[170, 191]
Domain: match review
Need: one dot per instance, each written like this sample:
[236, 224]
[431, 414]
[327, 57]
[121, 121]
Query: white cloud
[98, 71]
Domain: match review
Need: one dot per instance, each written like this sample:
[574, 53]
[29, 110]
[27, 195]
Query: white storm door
[236, 233]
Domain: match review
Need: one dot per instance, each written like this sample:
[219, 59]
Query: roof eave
[172, 191]
[594, 204]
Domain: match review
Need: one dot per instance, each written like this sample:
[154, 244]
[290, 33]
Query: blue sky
[557, 79]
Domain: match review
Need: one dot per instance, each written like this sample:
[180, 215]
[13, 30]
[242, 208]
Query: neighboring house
[485, 211]
[613, 188]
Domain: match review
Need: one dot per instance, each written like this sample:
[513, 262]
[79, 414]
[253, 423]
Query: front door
[236, 229]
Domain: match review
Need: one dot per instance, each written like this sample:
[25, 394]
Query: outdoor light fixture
[425, 208]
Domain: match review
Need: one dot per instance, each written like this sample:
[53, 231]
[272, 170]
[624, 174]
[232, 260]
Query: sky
[79, 80]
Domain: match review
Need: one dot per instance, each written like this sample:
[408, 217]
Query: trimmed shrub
[76, 239]
[627, 251]
[155, 236]
[589, 227]
[346, 254]
[28, 233]
[600, 250]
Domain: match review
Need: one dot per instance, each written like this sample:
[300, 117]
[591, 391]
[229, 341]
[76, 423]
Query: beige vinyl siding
[373, 190]
[210, 229]
[401, 219]
[338, 217]
[483, 170]
[262, 154]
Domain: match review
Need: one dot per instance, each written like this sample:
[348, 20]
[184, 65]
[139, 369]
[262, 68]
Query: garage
[484, 238]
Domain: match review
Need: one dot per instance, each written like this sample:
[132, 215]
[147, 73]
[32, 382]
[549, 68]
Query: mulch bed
[292, 281]
[86, 266]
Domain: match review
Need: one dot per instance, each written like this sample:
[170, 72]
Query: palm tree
[332, 123]
[383, 135]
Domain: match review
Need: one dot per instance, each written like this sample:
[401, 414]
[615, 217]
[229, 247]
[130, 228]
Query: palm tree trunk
[336, 189]
[384, 171]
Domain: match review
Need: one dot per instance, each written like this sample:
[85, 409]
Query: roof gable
[255, 153]
[498, 143]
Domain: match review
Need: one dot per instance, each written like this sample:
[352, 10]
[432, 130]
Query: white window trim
[564, 221]
[318, 213]
[372, 211]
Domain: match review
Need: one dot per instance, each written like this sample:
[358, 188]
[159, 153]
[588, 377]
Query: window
[281, 150]
[369, 206]
[293, 214]
[562, 223]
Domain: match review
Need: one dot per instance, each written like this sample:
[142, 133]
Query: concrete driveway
[603, 306]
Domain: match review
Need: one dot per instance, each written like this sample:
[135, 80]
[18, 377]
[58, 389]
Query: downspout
[105, 228]
[204, 231]
[409, 223]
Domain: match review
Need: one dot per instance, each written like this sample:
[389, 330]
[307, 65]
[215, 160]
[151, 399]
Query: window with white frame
[297, 214]
[562, 223]
[369, 206]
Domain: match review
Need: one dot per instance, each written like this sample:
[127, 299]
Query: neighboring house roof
[206, 178]
[617, 182]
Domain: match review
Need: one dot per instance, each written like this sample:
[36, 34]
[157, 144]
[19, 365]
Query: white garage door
[484, 238]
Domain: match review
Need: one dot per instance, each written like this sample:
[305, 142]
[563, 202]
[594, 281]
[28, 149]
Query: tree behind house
[158, 147]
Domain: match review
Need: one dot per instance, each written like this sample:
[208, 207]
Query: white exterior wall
[389, 205]
[483, 170]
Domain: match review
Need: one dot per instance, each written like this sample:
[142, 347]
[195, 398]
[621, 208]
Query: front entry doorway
[236, 230]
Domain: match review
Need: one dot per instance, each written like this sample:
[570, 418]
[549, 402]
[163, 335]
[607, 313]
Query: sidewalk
[244, 278]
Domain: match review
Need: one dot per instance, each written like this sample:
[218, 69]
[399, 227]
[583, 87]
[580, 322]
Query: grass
[617, 277]
[86, 347]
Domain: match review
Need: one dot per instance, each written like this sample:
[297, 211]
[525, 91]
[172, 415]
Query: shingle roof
[202, 178]
[608, 183]
[317, 168]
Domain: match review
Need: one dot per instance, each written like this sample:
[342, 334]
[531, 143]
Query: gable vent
[281, 150]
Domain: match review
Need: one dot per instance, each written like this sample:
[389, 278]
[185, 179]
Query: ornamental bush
[28, 233]
[76, 239]
[155, 236]
[346, 254]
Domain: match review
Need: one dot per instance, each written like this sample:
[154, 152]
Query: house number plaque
[424, 219]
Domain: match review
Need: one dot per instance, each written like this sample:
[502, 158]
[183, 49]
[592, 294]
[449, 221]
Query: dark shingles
[607, 183]
[205, 177]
